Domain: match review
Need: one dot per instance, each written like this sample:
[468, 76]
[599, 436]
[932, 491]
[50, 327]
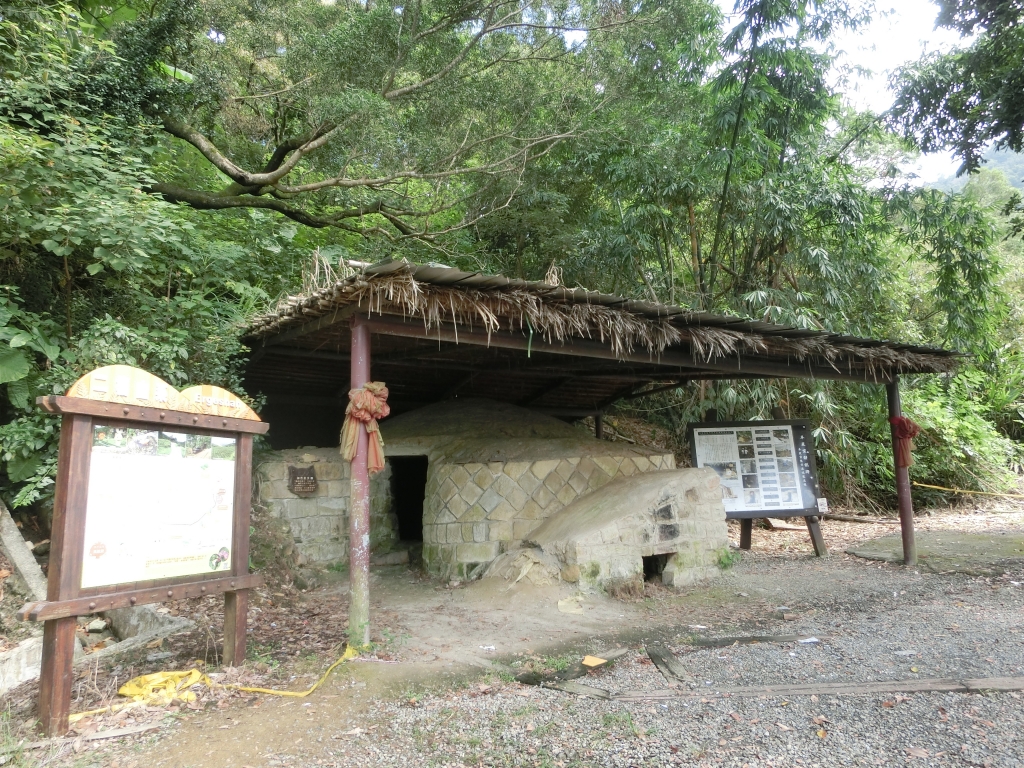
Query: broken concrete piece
[96, 625]
[572, 605]
[14, 547]
[531, 564]
[21, 663]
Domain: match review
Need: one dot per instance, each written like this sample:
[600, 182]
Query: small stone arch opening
[654, 566]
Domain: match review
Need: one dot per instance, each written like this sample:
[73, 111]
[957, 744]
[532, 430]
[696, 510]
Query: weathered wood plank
[571, 686]
[668, 664]
[65, 572]
[817, 540]
[150, 415]
[55, 675]
[46, 610]
[236, 608]
[967, 685]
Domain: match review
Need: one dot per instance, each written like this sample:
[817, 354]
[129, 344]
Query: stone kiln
[433, 333]
[494, 473]
[669, 524]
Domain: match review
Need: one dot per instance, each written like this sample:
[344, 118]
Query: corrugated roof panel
[440, 275]
[385, 268]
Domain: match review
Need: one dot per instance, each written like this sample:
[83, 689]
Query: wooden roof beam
[587, 348]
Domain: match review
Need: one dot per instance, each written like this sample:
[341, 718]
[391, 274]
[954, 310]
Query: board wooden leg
[746, 533]
[55, 675]
[236, 608]
[814, 528]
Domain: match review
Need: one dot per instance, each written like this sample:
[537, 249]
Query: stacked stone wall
[681, 515]
[473, 512]
[319, 522]
[691, 528]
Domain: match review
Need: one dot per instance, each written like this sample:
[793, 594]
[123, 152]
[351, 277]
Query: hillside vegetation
[170, 169]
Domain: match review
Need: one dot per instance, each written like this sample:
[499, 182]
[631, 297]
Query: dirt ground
[431, 639]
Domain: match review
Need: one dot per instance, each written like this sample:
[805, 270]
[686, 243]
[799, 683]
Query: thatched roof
[441, 331]
[493, 303]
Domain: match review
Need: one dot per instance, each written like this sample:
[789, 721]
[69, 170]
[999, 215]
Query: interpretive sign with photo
[765, 467]
[160, 505]
[151, 504]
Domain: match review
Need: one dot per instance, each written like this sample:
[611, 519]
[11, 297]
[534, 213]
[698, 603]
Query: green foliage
[972, 97]
[95, 271]
[954, 235]
[657, 155]
[727, 558]
[389, 119]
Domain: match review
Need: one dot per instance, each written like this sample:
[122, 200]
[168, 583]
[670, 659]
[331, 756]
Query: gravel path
[874, 622]
[884, 624]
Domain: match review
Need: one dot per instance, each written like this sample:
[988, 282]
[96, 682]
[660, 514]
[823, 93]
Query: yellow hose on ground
[976, 493]
[161, 688]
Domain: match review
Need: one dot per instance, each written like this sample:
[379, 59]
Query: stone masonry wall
[319, 523]
[473, 512]
[601, 539]
[690, 527]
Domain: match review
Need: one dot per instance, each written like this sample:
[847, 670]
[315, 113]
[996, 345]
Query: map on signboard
[160, 505]
[760, 468]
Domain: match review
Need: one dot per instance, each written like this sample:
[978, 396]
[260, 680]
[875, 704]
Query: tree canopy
[972, 97]
[391, 119]
[169, 169]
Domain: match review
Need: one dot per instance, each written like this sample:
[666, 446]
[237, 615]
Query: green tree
[394, 120]
[973, 96]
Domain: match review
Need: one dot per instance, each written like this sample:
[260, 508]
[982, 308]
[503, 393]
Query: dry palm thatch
[559, 314]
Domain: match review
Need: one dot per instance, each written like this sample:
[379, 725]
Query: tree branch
[458, 59]
[187, 133]
[208, 201]
[382, 181]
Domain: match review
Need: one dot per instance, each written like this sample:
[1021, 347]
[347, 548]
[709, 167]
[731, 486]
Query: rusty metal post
[906, 504]
[599, 426]
[359, 503]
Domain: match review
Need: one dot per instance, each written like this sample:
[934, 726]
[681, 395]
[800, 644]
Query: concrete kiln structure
[435, 334]
[473, 478]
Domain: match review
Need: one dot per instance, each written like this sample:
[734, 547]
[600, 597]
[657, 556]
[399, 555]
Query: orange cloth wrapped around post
[904, 430]
[366, 405]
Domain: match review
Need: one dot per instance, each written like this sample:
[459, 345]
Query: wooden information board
[766, 468]
[151, 504]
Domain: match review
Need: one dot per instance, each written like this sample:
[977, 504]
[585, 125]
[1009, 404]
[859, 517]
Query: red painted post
[359, 503]
[906, 504]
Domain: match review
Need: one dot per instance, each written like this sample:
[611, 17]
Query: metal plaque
[302, 481]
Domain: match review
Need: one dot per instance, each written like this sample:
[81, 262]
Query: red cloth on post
[366, 405]
[904, 430]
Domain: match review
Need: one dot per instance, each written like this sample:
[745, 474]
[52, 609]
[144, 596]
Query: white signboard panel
[160, 505]
[759, 466]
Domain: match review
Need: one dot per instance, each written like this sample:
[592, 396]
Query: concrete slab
[976, 554]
